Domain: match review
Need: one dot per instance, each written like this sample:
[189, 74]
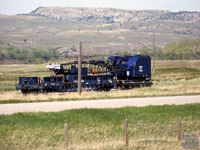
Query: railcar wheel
[25, 92]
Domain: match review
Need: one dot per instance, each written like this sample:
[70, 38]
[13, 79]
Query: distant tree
[184, 49]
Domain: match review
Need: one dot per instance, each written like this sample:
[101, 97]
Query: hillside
[110, 15]
[101, 29]
[145, 20]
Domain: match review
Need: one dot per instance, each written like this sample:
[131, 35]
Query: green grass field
[171, 78]
[150, 128]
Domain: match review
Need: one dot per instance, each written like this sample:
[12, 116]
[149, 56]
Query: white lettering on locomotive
[140, 68]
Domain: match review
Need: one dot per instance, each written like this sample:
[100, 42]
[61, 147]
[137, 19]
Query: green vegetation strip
[185, 49]
[99, 128]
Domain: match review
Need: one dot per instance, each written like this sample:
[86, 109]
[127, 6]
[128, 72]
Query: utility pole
[80, 68]
[154, 53]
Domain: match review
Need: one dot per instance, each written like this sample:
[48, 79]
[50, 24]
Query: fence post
[66, 136]
[126, 131]
[179, 129]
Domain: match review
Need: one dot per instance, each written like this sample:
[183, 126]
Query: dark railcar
[53, 83]
[123, 72]
[29, 84]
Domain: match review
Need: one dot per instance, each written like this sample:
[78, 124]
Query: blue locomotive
[116, 72]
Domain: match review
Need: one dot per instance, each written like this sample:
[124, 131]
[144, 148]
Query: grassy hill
[101, 29]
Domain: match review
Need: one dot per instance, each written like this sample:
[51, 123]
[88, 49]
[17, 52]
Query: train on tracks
[124, 72]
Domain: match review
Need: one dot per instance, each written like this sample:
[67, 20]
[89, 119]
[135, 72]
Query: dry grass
[183, 87]
[144, 143]
[177, 63]
[27, 141]
[171, 78]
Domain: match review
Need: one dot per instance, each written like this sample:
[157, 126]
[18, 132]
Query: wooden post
[126, 130]
[154, 53]
[80, 68]
[66, 136]
[179, 129]
[15, 81]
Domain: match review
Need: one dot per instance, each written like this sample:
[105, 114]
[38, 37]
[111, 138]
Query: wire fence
[183, 133]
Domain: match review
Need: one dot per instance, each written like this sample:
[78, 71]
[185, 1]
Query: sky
[12, 7]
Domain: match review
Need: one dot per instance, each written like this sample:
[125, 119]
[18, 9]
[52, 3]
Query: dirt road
[108, 103]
